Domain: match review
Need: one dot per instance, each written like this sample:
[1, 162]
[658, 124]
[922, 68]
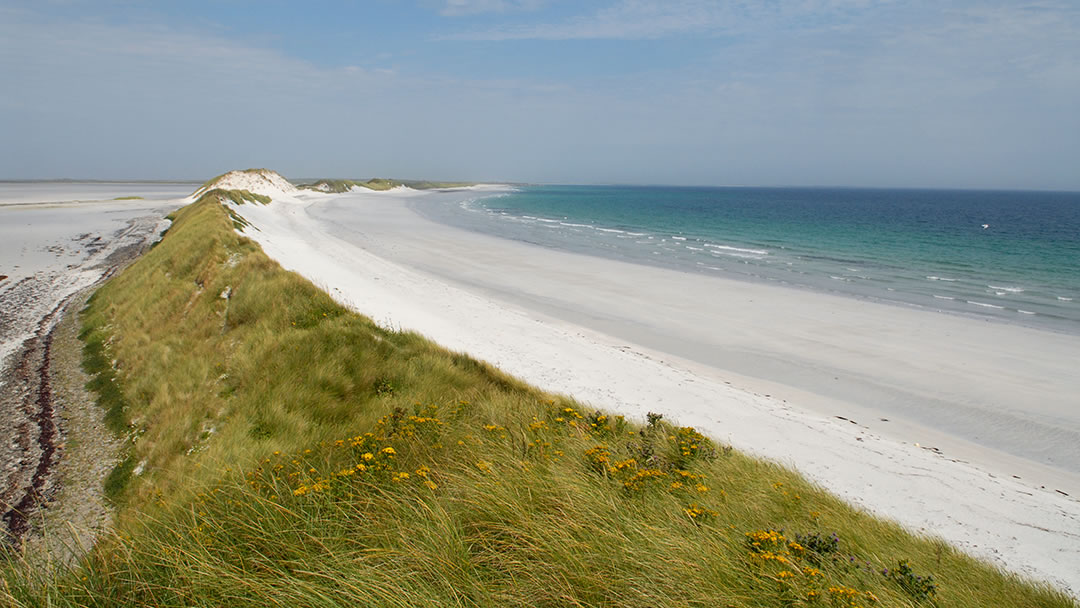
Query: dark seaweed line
[17, 517]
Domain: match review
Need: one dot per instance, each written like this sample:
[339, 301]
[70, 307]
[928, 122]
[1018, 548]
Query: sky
[979, 94]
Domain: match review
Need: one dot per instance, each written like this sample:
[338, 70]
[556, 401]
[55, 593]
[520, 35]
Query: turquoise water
[1006, 256]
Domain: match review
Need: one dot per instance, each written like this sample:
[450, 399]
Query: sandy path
[512, 304]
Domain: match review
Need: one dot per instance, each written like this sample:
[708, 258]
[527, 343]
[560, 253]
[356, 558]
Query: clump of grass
[379, 184]
[332, 185]
[128, 198]
[300, 455]
[118, 479]
[97, 364]
[239, 197]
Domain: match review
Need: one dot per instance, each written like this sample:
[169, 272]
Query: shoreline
[993, 386]
[778, 259]
[994, 517]
[58, 254]
[774, 283]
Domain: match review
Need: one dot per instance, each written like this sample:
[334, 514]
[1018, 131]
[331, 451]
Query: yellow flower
[368, 456]
[430, 484]
[389, 451]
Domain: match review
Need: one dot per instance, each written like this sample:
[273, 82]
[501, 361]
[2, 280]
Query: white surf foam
[737, 249]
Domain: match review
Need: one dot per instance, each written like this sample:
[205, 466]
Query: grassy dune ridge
[285, 451]
[379, 184]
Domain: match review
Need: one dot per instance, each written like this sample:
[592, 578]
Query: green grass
[240, 197]
[332, 185]
[128, 198]
[292, 453]
[379, 184]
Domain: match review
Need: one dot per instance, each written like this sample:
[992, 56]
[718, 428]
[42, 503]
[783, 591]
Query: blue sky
[785, 92]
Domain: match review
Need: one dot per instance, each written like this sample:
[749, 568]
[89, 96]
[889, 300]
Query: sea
[1006, 256]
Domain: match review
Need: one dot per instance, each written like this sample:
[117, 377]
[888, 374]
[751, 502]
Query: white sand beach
[884, 406]
[56, 238]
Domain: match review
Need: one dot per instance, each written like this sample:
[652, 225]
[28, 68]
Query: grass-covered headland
[284, 451]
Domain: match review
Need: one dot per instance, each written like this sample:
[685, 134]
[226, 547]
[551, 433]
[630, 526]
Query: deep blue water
[1010, 256]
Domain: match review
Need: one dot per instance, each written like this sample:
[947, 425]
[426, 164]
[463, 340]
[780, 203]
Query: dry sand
[768, 369]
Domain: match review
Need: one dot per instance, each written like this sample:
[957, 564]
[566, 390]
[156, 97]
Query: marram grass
[286, 452]
[379, 184]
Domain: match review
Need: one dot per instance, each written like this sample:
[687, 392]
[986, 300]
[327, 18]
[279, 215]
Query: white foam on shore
[984, 304]
[1007, 289]
[737, 249]
[993, 516]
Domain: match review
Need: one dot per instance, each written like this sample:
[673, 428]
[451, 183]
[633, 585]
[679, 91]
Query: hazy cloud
[845, 94]
[651, 19]
[455, 8]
